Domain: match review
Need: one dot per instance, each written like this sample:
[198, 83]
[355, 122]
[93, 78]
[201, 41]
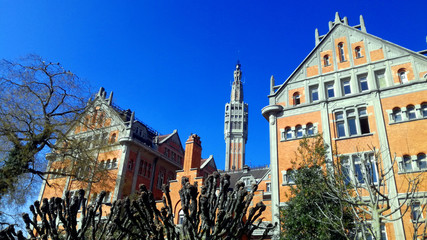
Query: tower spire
[236, 124]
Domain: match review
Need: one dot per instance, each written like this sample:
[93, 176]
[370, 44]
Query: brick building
[131, 154]
[359, 91]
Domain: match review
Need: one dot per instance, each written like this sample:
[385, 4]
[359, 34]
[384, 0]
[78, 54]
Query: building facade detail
[236, 125]
[359, 91]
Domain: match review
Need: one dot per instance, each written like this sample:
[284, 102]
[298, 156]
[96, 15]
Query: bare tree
[38, 103]
[216, 214]
[365, 190]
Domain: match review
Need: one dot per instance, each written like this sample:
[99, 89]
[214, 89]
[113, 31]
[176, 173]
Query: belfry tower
[236, 125]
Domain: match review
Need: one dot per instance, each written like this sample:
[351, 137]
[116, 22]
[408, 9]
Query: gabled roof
[205, 162]
[328, 35]
[257, 173]
[164, 138]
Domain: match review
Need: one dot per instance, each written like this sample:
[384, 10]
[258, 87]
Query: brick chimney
[193, 153]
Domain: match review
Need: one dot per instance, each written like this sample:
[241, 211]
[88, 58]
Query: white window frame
[345, 120]
[346, 83]
[363, 79]
[330, 86]
[349, 163]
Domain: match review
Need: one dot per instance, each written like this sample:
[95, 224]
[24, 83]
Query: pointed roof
[333, 27]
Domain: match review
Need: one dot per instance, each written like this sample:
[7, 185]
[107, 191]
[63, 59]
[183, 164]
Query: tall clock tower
[236, 125]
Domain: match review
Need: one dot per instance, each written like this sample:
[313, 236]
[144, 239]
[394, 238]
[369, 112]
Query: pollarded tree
[216, 213]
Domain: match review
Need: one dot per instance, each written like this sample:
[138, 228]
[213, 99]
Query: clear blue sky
[172, 61]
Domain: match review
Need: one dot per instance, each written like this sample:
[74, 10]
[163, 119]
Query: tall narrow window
[358, 168]
[341, 51]
[339, 117]
[416, 213]
[290, 176]
[380, 77]
[358, 52]
[310, 129]
[288, 132]
[114, 163]
[363, 83]
[411, 112]
[422, 162]
[296, 98]
[403, 78]
[113, 138]
[397, 114]
[407, 163]
[351, 119]
[299, 131]
[108, 164]
[330, 90]
[346, 86]
[345, 163]
[314, 93]
[326, 60]
[363, 121]
[424, 109]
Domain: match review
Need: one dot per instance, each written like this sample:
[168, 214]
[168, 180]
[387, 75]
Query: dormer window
[341, 52]
[358, 52]
[326, 60]
[296, 98]
[403, 77]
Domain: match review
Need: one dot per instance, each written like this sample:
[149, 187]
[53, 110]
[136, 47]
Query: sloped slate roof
[257, 173]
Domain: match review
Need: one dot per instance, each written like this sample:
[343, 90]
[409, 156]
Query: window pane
[352, 126]
[330, 88]
[380, 77]
[341, 129]
[288, 134]
[314, 94]
[362, 112]
[339, 116]
[345, 170]
[363, 83]
[346, 87]
[358, 172]
[421, 158]
[364, 125]
[407, 163]
[411, 112]
[310, 130]
[299, 132]
[424, 107]
[397, 115]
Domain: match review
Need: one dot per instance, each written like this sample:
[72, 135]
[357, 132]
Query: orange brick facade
[132, 154]
[374, 102]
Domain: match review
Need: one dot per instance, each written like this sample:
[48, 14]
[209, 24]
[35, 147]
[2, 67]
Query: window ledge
[299, 138]
[409, 120]
[355, 136]
[413, 171]
[360, 57]
[287, 184]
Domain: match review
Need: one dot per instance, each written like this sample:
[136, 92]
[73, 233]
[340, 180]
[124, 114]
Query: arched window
[288, 133]
[290, 176]
[341, 52]
[411, 112]
[326, 60]
[310, 129]
[296, 98]
[108, 165]
[181, 217]
[397, 114]
[424, 109]
[358, 52]
[403, 77]
[102, 164]
[422, 162]
[407, 163]
[114, 163]
[113, 138]
[299, 132]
